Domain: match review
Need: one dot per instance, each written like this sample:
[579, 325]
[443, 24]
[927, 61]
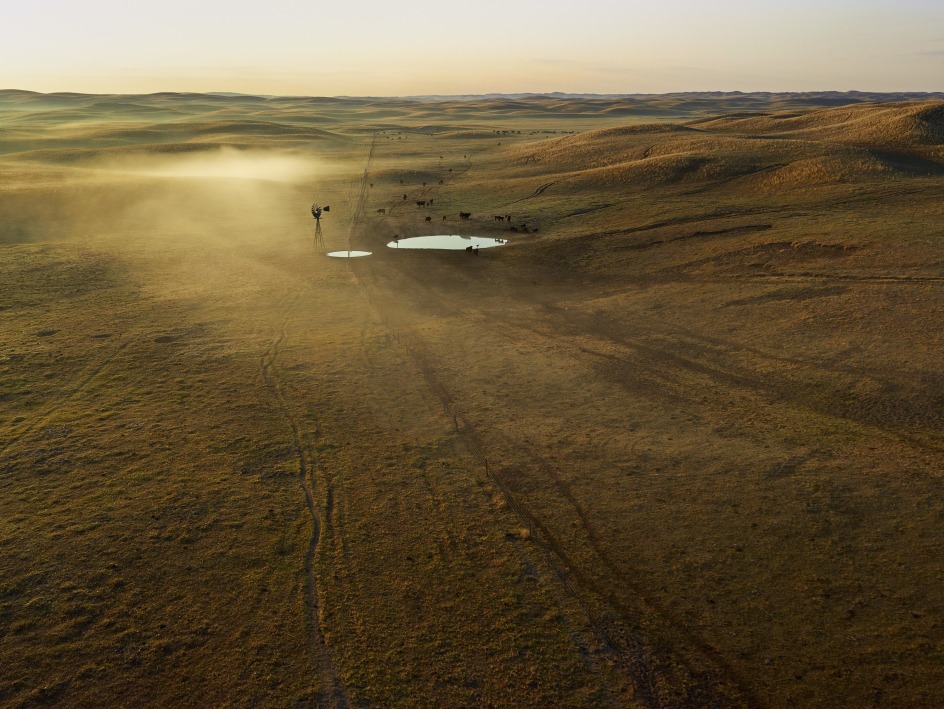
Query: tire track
[537, 193]
[332, 692]
[357, 215]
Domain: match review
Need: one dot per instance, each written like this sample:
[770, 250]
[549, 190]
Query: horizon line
[496, 94]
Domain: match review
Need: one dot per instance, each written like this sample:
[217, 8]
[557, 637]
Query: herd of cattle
[467, 215]
[423, 203]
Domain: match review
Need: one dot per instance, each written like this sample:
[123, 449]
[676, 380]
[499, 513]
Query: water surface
[348, 254]
[448, 242]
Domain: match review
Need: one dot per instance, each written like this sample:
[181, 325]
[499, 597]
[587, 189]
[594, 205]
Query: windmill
[316, 212]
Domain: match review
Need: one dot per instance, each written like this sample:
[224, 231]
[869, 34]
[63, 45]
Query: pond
[448, 242]
[348, 254]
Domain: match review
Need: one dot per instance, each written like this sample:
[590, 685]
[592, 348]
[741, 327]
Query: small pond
[348, 254]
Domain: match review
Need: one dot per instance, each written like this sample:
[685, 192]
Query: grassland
[678, 444]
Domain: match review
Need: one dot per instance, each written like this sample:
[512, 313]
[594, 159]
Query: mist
[225, 163]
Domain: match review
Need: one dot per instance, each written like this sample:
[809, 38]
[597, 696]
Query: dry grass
[680, 446]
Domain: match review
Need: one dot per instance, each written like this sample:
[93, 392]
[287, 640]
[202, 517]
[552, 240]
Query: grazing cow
[508, 218]
[534, 231]
[514, 229]
[429, 219]
[524, 226]
[401, 180]
[381, 211]
[440, 182]
[468, 248]
[499, 218]
[404, 198]
[371, 184]
[444, 217]
[424, 184]
[430, 203]
[465, 215]
[421, 204]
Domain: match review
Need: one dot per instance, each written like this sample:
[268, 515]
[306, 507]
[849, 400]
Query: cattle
[514, 229]
[429, 219]
[440, 182]
[444, 217]
[430, 203]
[421, 203]
[424, 184]
[404, 198]
[371, 184]
[508, 218]
[499, 218]
[534, 231]
[381, 211]
[465, 215]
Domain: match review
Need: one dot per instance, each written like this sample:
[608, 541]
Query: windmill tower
[316, 212]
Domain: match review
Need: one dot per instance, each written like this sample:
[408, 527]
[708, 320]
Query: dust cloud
[226, 163]
[219, 196]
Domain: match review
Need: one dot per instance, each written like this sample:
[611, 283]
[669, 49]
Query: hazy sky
[369, 47]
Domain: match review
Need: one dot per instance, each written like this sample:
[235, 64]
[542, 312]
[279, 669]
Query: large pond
[449, 242]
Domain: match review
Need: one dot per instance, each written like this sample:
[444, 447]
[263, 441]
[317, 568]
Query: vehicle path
[332, 691]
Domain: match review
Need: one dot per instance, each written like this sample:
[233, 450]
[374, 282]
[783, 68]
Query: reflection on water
[451, 242]
[348, 254]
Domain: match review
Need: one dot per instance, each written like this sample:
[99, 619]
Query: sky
[418, 47]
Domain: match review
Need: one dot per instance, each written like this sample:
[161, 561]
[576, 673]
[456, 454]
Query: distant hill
[752, 150]
[810, 98]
